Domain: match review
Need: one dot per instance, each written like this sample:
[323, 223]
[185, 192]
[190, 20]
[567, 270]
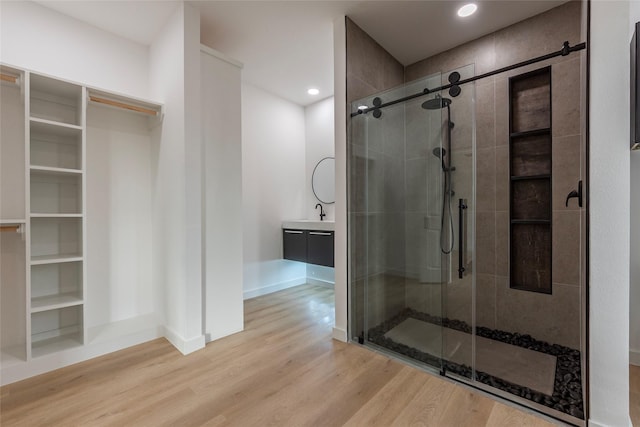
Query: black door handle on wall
[575, 193]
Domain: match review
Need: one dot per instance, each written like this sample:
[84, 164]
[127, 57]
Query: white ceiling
[287, 46]
[140, 21]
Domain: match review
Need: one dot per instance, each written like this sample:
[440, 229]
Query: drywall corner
[339, 334]
[174, 80]
[184, 346]
[222, 195]
[340, 138]
[609, 241]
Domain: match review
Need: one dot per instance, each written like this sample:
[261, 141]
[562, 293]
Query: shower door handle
[575, 193]
[461, 249]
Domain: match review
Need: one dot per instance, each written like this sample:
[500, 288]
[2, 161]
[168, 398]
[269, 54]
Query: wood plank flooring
[283, 370]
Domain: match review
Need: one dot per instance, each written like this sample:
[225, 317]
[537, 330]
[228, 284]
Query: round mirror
[323, 180]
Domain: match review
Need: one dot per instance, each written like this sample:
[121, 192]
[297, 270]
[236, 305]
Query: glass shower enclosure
[447, 280]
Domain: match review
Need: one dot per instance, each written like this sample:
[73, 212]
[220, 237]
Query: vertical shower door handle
[461, 249]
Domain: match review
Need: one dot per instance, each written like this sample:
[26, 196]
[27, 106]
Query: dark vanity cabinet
[320, 248]
[294, 245]
[313, 247]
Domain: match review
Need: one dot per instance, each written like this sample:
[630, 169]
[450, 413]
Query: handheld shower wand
[440, 153]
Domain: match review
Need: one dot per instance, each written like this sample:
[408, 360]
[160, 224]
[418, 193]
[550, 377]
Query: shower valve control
[575, 193]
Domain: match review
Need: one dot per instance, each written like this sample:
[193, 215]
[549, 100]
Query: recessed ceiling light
[467, 10]
[313, 91]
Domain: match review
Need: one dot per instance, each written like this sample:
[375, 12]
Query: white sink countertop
[309, 224]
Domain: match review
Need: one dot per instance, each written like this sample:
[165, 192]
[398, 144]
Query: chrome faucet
[322, 214]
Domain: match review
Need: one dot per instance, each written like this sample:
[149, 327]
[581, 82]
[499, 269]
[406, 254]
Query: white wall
[177, 253]
[274, 190]
[39, 39]
[340, 107]
[119, 203]
[609, 215]
[634, 300]
[222, 154]
[319, 137]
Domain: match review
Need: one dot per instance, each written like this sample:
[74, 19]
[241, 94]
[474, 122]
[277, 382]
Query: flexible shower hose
[446, 204]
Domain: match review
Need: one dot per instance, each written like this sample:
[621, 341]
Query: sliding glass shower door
[411, 229]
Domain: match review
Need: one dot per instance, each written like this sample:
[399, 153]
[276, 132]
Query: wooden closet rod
[123, 105]
[8, 78]
[4, 228]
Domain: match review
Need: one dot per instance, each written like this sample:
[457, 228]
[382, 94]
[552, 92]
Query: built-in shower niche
[531, 155]
[530, 178]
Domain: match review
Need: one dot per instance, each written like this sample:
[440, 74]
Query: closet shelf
[122, 105]
[56, 344]
[12, 221]
[111, 100]
[55, 215]
[55, 171]
[55, 259]
[35, 121]
[53, 302]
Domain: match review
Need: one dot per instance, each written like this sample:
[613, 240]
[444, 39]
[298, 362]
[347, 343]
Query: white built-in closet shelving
[54, 206]
[56, 187]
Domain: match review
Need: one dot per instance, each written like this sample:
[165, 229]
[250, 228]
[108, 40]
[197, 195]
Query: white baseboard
[339, 335]
[22, 370]
[634, 357]
[593, 423]
[184, 346]
[274, 288]
[209, 337]
[318, 282]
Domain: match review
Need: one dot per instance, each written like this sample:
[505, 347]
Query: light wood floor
[284, 369]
